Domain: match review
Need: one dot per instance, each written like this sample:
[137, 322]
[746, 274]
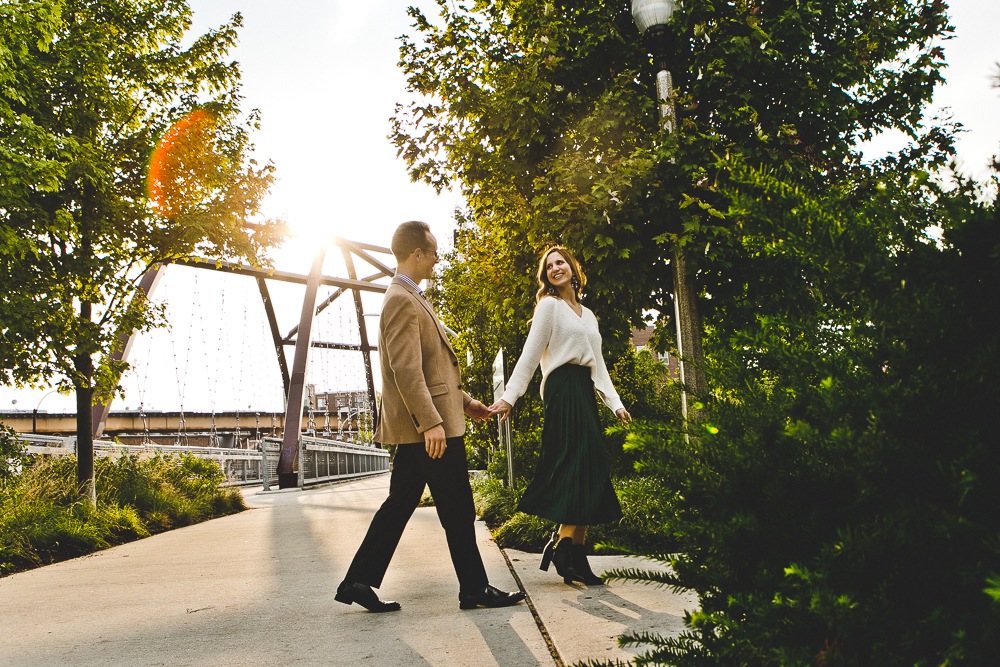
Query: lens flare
[183, 163]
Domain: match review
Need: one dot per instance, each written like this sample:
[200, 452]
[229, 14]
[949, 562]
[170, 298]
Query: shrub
[641, 528]
[525, 446]
[43, 518]
[839, 508]
[11, 454]
[524, 532]
[495, 502]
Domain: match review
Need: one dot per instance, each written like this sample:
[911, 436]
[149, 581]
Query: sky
[324, 76]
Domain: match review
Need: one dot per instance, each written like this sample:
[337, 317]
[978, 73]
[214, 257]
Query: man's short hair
[408, 237]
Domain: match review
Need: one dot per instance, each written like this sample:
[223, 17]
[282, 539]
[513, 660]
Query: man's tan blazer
[421, 383]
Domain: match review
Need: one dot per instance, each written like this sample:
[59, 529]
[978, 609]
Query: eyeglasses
[434, 252]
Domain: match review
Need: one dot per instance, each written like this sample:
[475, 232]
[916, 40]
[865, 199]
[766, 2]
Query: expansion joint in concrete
[553, 651]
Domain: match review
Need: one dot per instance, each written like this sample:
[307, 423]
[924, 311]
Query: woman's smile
[558, 271]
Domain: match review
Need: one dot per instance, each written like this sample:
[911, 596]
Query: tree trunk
[84, 385]
[689, 348]
[83, 361]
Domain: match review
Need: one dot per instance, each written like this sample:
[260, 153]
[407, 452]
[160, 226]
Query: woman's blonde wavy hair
[545, 288]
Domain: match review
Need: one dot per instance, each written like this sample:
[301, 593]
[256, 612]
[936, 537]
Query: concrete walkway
[257, 588]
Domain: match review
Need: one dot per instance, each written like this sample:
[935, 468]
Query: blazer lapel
[430, 311]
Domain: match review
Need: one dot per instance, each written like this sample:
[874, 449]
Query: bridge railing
[241, 466]
[321, 460]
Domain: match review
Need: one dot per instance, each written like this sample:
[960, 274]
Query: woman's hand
[501, 407]
[623, 415]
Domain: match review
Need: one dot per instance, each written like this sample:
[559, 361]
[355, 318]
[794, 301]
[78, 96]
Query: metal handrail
[321, 460]
[318, 457]
[241, 466]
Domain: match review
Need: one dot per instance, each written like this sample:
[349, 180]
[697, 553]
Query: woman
[572, 484]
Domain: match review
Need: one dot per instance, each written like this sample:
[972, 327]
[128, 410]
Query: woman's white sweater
[559, 336]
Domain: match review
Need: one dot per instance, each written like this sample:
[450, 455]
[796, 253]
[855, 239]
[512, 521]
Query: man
[422, 412]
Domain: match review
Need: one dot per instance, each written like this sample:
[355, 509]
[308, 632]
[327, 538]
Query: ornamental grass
[44, 519]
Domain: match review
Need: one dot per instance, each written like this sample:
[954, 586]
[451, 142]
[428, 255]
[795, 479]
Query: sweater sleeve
[602, 380]
[534, 347]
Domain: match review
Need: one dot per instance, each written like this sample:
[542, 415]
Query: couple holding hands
[424, 408]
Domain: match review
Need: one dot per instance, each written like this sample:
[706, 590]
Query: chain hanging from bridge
[341, 341]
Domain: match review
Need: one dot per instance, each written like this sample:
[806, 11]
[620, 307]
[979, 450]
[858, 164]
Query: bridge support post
[287, 476]
[265, 471]
[363, 331]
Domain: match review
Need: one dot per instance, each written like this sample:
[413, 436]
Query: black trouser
[448, 479]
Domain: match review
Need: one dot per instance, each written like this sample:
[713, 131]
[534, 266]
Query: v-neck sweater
[559, 336]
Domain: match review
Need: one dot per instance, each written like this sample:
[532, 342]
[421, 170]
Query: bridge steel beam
[362, 329]
[279, 344]
[294, 380]
[359, 250]
[332, 346]
[329, 300]
[150, 279]
[283, 276]
[287, 476]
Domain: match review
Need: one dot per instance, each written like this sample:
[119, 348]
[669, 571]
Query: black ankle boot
[562, 558]
[581, 566]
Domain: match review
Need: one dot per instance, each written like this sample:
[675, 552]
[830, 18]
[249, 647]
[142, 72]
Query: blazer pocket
[438, 389]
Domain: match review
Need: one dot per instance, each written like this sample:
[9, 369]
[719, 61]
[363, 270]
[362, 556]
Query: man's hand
[434, 441]
[477, 410]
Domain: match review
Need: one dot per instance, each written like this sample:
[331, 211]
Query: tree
[837, 508]
[839, 511]
[87, 90]
[543, 114]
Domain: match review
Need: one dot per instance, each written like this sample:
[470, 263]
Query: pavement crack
[534, 613]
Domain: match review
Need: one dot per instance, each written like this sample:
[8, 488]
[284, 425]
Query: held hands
[503, 407]
[477, 410]
[434, 438]
[500, 407]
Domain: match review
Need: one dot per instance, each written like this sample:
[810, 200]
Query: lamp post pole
[652, 17]
[34, 413]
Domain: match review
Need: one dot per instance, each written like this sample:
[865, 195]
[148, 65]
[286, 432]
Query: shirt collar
[412, 284]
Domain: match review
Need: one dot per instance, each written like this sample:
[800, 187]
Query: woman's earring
[575, 283]
[551, 289]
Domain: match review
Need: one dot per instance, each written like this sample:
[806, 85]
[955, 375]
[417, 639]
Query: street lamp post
[34, 413]
[652, 18]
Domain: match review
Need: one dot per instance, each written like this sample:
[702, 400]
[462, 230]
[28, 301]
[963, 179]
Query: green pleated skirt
[572, 483]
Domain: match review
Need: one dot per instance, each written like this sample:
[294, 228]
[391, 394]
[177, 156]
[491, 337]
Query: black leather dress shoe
[364, 595]
[488, 597]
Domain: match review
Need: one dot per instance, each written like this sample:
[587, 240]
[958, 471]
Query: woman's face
[558, 270]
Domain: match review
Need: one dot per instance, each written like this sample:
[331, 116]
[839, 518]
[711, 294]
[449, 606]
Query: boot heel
[547, 553]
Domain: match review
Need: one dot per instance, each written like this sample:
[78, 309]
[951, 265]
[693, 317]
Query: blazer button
[454, 363]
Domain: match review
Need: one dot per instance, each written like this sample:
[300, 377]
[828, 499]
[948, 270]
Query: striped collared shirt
[412, 284]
